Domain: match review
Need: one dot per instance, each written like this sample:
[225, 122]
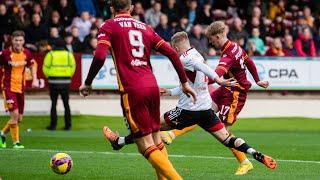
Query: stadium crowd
[270, 28]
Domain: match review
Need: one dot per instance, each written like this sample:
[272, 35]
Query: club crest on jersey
[137, 62]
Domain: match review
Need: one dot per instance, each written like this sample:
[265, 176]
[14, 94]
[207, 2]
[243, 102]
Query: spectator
[276, 49]
[59, 66]
[308, 16]
[204, 17]
[237, 33]
[93, 34]
[5, 24]
[138, 10]
[66, 11]
[258, 42]
[36, 8]
[83, 24]
[192, 11]
[256, 23]
[91, 46]
[275, 9]
[46, 10]
[257, 3]
[99, 22]
[44, 46]
[152, 15]
[297, 28]
[198, 40]
[289, 46]
[252, 49]
[183, 25]
[21, 20]
[55, 22]
[76, 43]
[35, 32]
[68, 39]
[171, 10]
[54, 37]
[163, 29]
[304, 44]
[277, 27]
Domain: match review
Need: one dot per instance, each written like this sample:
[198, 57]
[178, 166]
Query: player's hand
[35, 83]
[263, 84]
[227, 82]
[84, 90]
[164, 92]
[189, 91]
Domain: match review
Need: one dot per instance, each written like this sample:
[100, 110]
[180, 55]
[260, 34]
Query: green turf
[283, 138]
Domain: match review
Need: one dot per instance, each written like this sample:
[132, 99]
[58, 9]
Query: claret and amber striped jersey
[13, 68]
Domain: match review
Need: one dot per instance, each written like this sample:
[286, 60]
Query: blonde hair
[179, 37]
[217, 27]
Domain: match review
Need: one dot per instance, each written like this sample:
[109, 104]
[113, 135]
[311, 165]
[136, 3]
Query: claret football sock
[14, 129]
[161, 163]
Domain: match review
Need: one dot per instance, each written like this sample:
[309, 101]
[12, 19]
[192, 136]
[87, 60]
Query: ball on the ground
[61, 163]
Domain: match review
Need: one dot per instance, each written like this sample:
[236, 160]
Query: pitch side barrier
[283, 73]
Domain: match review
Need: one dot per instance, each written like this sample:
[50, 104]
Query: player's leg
[53, 113]
[230, 104]
[162, 148]
[217, 129]
[16, 118]
[168, 136]
[8, 105]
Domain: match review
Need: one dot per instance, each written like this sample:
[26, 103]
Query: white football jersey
[196, 71]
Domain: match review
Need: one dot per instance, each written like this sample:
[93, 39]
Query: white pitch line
[136, 154]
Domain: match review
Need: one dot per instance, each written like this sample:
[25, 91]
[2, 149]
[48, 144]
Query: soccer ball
[61, 163]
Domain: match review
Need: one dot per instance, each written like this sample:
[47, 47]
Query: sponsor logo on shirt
[17, 63]
[137, 62]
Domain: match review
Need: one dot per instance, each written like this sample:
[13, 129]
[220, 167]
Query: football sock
[128, 139]
[163, 149]
[5, 129]
[161, 164]
[14, 129]
[178, 132]
[121, 141]
[238, 144]
[241, 157]
[125, 140]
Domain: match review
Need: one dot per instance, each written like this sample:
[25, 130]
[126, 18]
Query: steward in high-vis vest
[59, 66]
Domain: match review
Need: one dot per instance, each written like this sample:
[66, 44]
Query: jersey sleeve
[188, 63]
[100, 54]
[29, 59]
[104, 34]
[224, 65]
[200, 66]
[252, 69]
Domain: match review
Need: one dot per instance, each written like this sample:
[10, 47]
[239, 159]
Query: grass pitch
[294, 142]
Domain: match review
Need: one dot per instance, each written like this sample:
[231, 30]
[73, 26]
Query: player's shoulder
[5, 52]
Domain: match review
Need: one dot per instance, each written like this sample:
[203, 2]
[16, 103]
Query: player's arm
[33, 65]
[200, 66]
[99, 58]
[253, 71]
[164, 48]
[171, 92]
